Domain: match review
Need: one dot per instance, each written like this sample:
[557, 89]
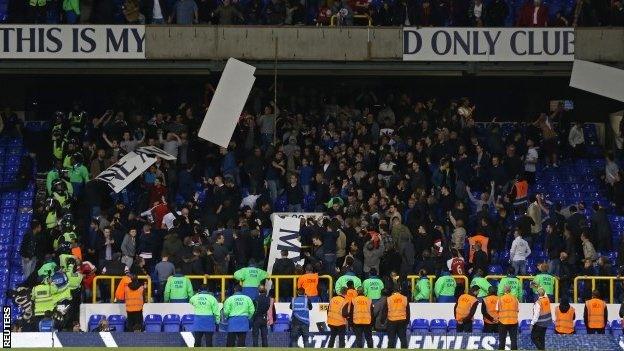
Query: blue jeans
[272, 185]
[519, 266]
[554, 267]
[295, 208]
[306, 189]
[158, 21]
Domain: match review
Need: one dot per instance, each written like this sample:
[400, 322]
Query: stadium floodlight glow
[228, 102]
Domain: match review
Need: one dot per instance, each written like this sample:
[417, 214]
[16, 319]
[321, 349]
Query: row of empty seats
[450, 326]
[175, 323]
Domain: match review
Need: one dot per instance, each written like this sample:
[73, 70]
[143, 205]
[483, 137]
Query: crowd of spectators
[422, 13]
[405, 185]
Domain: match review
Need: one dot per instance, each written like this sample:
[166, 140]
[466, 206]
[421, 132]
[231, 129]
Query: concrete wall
[259, 43]
[325, 43]
[599, 45]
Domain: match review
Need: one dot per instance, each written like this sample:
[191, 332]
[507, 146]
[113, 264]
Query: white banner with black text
[488, 44]
[112, 42]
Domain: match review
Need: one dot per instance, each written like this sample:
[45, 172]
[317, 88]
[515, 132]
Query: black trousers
[134, 319]
[337, 331]
[595, 330]
[363, 332]
[259, 328]
[299, 329]
[490, 328]
[397, 329]
[512, 330]
[465, 327]
[198, 338]
[538, 336]
[237, 338]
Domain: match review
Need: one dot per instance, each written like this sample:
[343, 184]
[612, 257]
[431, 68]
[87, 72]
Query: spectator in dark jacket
[601, 233]
[497, 13]
[262, 303]
[28, 249]
[284, 266]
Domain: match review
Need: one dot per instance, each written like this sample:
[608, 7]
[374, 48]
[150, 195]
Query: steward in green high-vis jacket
[342, 282]
[178, 288]
[207, 315]
[545, 281]
[373, 286]
[250, 279]
[422, 290]
[482, 283]
[513, 282]
[238, 310]
[445, 287]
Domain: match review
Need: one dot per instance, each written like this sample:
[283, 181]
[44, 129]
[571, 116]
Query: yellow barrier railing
[593, 285]
[529, 278]
[113, 286]
[223, 279]
[432, 278]
[332, 21]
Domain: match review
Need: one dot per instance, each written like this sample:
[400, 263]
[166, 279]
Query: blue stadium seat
[438, 326]
[420, 325]
[153, 323]
[579, 327]
[452, 326]
[282, 323]
[477, 325]
[616, 327]
[94, 320]
[117, 321]
[525, 326]
[495, 269]
[171, 323]
[187, 322]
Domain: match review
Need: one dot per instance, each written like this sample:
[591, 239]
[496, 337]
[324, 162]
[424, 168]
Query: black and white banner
[285, 237]
[488, 44]
[133, 164]
[72, 42]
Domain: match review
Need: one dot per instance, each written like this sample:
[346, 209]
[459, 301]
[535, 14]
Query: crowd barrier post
[593, 285]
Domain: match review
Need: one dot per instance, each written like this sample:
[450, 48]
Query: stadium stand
[404, 187]
[557, 13]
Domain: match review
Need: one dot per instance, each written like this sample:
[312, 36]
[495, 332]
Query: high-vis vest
[121, 288]
[351, 294]
[300, 309]
[334, 313]
[595, 313]
[134, 299]
[362, 310]
[545, 317]
[564, 323]
[464, 304]
[490, 306]
[508, 309]
[397, 305]
[309, 283]
[522, 190]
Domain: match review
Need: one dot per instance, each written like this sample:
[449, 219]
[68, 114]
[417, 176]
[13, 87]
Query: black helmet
[67, 222]
[59, 116]
[64, 248]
